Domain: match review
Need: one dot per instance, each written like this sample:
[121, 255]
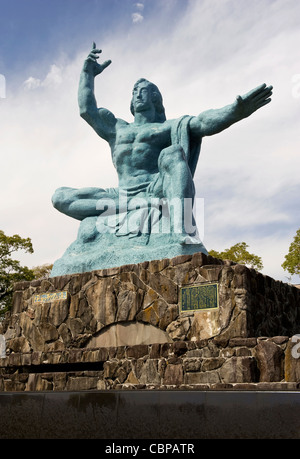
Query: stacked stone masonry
[123, 328]
[215, 364]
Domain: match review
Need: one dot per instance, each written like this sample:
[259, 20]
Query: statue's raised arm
[213, 121]
[101, 119]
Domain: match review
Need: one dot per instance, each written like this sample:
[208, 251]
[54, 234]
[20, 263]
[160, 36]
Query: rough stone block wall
[214, 364]
[123, 328]
[145, 299]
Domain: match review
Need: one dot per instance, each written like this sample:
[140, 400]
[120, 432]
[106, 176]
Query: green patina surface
[155, 159]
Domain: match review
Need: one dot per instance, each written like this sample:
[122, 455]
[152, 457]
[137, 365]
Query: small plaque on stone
[199, 297]
[50, 297]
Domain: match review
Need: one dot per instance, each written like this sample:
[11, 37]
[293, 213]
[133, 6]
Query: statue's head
[156, 98]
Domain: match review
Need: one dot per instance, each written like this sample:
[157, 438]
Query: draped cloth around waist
[138, 207]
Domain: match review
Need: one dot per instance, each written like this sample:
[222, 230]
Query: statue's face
[141, 97]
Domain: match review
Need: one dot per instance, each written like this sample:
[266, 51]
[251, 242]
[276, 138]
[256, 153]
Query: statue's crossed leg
[173, 184]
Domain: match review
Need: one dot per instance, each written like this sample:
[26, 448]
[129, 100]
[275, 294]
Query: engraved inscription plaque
[199, 297]
[50, 297]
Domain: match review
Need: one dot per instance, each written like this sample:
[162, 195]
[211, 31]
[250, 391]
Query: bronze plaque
[50, 297]
[199, 297]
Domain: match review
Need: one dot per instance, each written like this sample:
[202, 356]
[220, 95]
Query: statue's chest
[151, 135]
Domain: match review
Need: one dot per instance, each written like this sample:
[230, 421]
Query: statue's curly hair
[156, 99]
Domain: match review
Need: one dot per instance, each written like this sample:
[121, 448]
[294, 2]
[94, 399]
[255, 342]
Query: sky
[201, 54]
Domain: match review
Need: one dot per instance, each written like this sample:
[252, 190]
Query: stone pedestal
[125, 328]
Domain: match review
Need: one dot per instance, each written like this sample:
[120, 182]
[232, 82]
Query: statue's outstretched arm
[213, 121]
[100, 119]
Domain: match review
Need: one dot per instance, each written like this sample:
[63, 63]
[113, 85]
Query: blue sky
[34, 30]
[201, 54]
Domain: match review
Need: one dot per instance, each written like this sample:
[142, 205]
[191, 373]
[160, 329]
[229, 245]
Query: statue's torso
[136, 149]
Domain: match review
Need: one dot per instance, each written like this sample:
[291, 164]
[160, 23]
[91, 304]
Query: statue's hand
[91, 64]
[253, 100]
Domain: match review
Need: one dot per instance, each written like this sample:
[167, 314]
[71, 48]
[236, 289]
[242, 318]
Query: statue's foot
[191, 240]
[184, 239]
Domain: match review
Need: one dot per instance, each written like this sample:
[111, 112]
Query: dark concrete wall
[150, 415]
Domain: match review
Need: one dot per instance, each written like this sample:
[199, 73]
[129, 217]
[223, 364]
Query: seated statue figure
[150, 214]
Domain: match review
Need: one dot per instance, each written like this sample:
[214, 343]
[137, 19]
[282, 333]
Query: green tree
[292, 259]
[42, 271]
[239, 254]
[11, 270]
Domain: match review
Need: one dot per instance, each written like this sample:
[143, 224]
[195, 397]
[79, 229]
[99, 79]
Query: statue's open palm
[253, 100]
[91, 63]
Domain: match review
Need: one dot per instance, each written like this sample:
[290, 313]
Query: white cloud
[137, 17]
[53, 78]
[32, 83]
[139, 6]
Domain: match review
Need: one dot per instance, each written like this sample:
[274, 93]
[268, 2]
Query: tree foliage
[42, 271]
[292, 259]
[11, 270]
[239, 254]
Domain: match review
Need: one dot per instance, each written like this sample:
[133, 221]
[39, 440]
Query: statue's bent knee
[61, 199]
[170, 157]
